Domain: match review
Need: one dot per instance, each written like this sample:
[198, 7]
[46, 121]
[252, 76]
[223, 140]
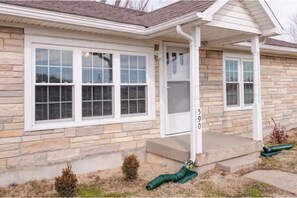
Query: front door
[177, 81]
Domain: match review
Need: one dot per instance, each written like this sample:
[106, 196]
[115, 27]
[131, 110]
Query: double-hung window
[97, 87]
[133, 84]
[238, 78]
[53, 84]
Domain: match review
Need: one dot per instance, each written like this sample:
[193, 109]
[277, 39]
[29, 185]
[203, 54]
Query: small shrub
[130, 167]
[278, 135]
[66, 184]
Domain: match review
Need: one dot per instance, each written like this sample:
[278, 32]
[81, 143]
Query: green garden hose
[182, 176]
[277, 148]
[274, 150]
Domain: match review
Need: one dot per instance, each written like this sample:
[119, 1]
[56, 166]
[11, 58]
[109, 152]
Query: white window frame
[241, 58]
[78, 46]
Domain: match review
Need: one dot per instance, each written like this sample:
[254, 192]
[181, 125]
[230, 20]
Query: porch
[217, 147]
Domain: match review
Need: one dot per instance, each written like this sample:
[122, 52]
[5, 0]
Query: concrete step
[240, 163]
[234, 148]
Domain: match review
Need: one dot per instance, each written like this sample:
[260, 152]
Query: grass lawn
[110, 183]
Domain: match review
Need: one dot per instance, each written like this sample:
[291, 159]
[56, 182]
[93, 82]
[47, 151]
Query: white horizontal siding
[234, 15]
[259, 14]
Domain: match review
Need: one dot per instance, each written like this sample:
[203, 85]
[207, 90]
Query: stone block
[128, 145]
[63, 155]
[52, 136]
[113, 128]
[16, 36]
[44, 145]
[90, 130]
[5, 120]
[11, 110]
[70, 132]
[13, 42]
[4, 35]
[122, 139]
[10, 140]
[13, 58]
[82, 144]
[31, 138]
[5, 67]
[13, 126]
[123, 134]
[10, 133]
[100, 149]
[9, 147]
[11, 153]
[21, 161]
[136, 126]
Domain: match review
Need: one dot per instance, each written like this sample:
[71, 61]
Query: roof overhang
[33, 16]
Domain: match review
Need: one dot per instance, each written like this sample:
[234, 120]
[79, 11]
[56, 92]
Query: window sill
[89, 122]
[250, 107]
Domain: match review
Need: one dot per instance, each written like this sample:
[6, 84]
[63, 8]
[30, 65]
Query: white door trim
[163, 92]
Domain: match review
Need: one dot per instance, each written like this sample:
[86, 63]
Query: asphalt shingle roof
[99, 10]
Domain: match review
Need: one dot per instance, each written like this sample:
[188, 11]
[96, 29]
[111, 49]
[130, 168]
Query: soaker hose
[182, 176]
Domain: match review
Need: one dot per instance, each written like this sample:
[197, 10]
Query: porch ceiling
[211, 36]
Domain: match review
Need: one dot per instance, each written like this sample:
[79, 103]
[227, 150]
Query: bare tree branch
[292, 30]
[141, 5]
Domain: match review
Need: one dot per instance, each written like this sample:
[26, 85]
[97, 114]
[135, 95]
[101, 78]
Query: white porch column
[196, 114]
[257, 107]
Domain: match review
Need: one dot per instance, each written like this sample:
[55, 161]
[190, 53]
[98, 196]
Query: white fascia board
[38, 14]
[50, 16]
[208, 14]
[268, 47]
[279, 30]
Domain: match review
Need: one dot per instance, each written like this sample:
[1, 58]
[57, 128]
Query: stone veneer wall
[279, 95]
[28, 150]
[22, 151]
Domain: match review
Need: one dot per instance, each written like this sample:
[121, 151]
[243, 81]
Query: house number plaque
[199, 118]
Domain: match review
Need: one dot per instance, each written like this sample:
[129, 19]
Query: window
[133, 84]
[97, 89]
[95, 84]
[53, 85]
[238, 82]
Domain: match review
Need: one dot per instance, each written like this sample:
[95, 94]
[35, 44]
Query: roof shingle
[99, 10]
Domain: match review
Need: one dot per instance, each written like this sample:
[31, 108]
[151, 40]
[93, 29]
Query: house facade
[88, 83]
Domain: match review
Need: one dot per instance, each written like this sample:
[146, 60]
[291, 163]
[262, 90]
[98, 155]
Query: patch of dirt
[111, 183]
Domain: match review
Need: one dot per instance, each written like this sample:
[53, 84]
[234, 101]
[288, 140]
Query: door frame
[163, 92]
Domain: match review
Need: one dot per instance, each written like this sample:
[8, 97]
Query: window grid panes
[133, 88]
[133, 69]
[232, 83]
[96, 101]
[96, 67]
[133, 99]
[248, 82]
[53, 84]
[97, 89]
[239, 82]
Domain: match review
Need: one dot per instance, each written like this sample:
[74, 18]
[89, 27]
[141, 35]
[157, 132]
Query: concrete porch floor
[216, 147]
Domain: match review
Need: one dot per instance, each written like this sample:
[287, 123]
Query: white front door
[177, 82]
